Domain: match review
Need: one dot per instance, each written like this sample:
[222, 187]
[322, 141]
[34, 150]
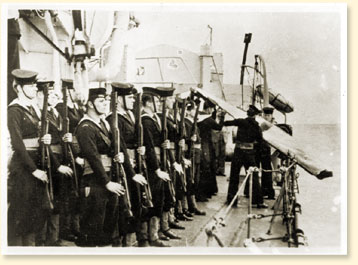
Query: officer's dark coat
[248, 131]
[208, 185]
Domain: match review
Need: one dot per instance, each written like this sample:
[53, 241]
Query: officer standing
[249, 137]
[265, 158]
[208, 185]
[97, 187]
[27, 197]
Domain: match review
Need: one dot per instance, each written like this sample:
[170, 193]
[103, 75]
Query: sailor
[126, 125]
[59, 172]
[172, 209]
[219, 145]
[96, 186]
[208, 185]
[152, 134]
[193, 154]
[69, 216]
[265, 159]
[27, 198]
[249, 137]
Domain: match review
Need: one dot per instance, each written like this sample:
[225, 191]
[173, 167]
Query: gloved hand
[178, 168]
[187, 162]
[119, 158]
[166, 145]
[41, 175]
[182, 143]
[140, 179]
[162, 175]
[141, 150]
[115, 188]
[65, 170]
[67, 138]
[80, 161]
[46, 139]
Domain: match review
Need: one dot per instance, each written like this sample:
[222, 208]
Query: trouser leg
[52, 233]
[153, 228]
[29, 240]
[236, 165]
[164, 221]
[142, 232]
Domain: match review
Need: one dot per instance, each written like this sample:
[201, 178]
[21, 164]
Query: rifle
[68, 156]
[163, 153]
[140, 161]
[45, 162]
[194, 131]
[180, 159]
[119, 173]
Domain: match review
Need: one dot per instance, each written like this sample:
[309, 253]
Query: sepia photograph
[182, 129]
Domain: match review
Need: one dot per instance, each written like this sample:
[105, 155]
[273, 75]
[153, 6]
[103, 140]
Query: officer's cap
[208, 104]
[96, 93]
[24, 77]
[124, 89]
[253, 110]
[42, 84]
[68, 83]
[268, 110]
[159, 91]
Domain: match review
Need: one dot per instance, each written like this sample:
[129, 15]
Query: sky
[302, 50]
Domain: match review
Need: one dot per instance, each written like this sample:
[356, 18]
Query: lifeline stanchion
[249, 241]
[212, 228]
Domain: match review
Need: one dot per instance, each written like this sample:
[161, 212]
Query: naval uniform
[50, 233]
[193, 153]
[249, 137]
[173, 137]
[26, 194]
[99, 217]
[208, 184]
[126, 126]
[152, 139]
[69, 219]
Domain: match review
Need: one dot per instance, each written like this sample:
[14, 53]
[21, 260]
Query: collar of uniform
[27, 106]
[202, 117]
[86, 117]
[54, 111]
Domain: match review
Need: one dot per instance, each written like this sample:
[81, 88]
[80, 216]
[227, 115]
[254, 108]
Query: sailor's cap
[268, 110]
[159, 91]
[253, 110]
[24, 77]
[94, 93]
[208, 104]
[124, 89]
[68, 83]
[41, 84]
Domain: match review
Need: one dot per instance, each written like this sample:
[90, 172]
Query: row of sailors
[94, 214]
